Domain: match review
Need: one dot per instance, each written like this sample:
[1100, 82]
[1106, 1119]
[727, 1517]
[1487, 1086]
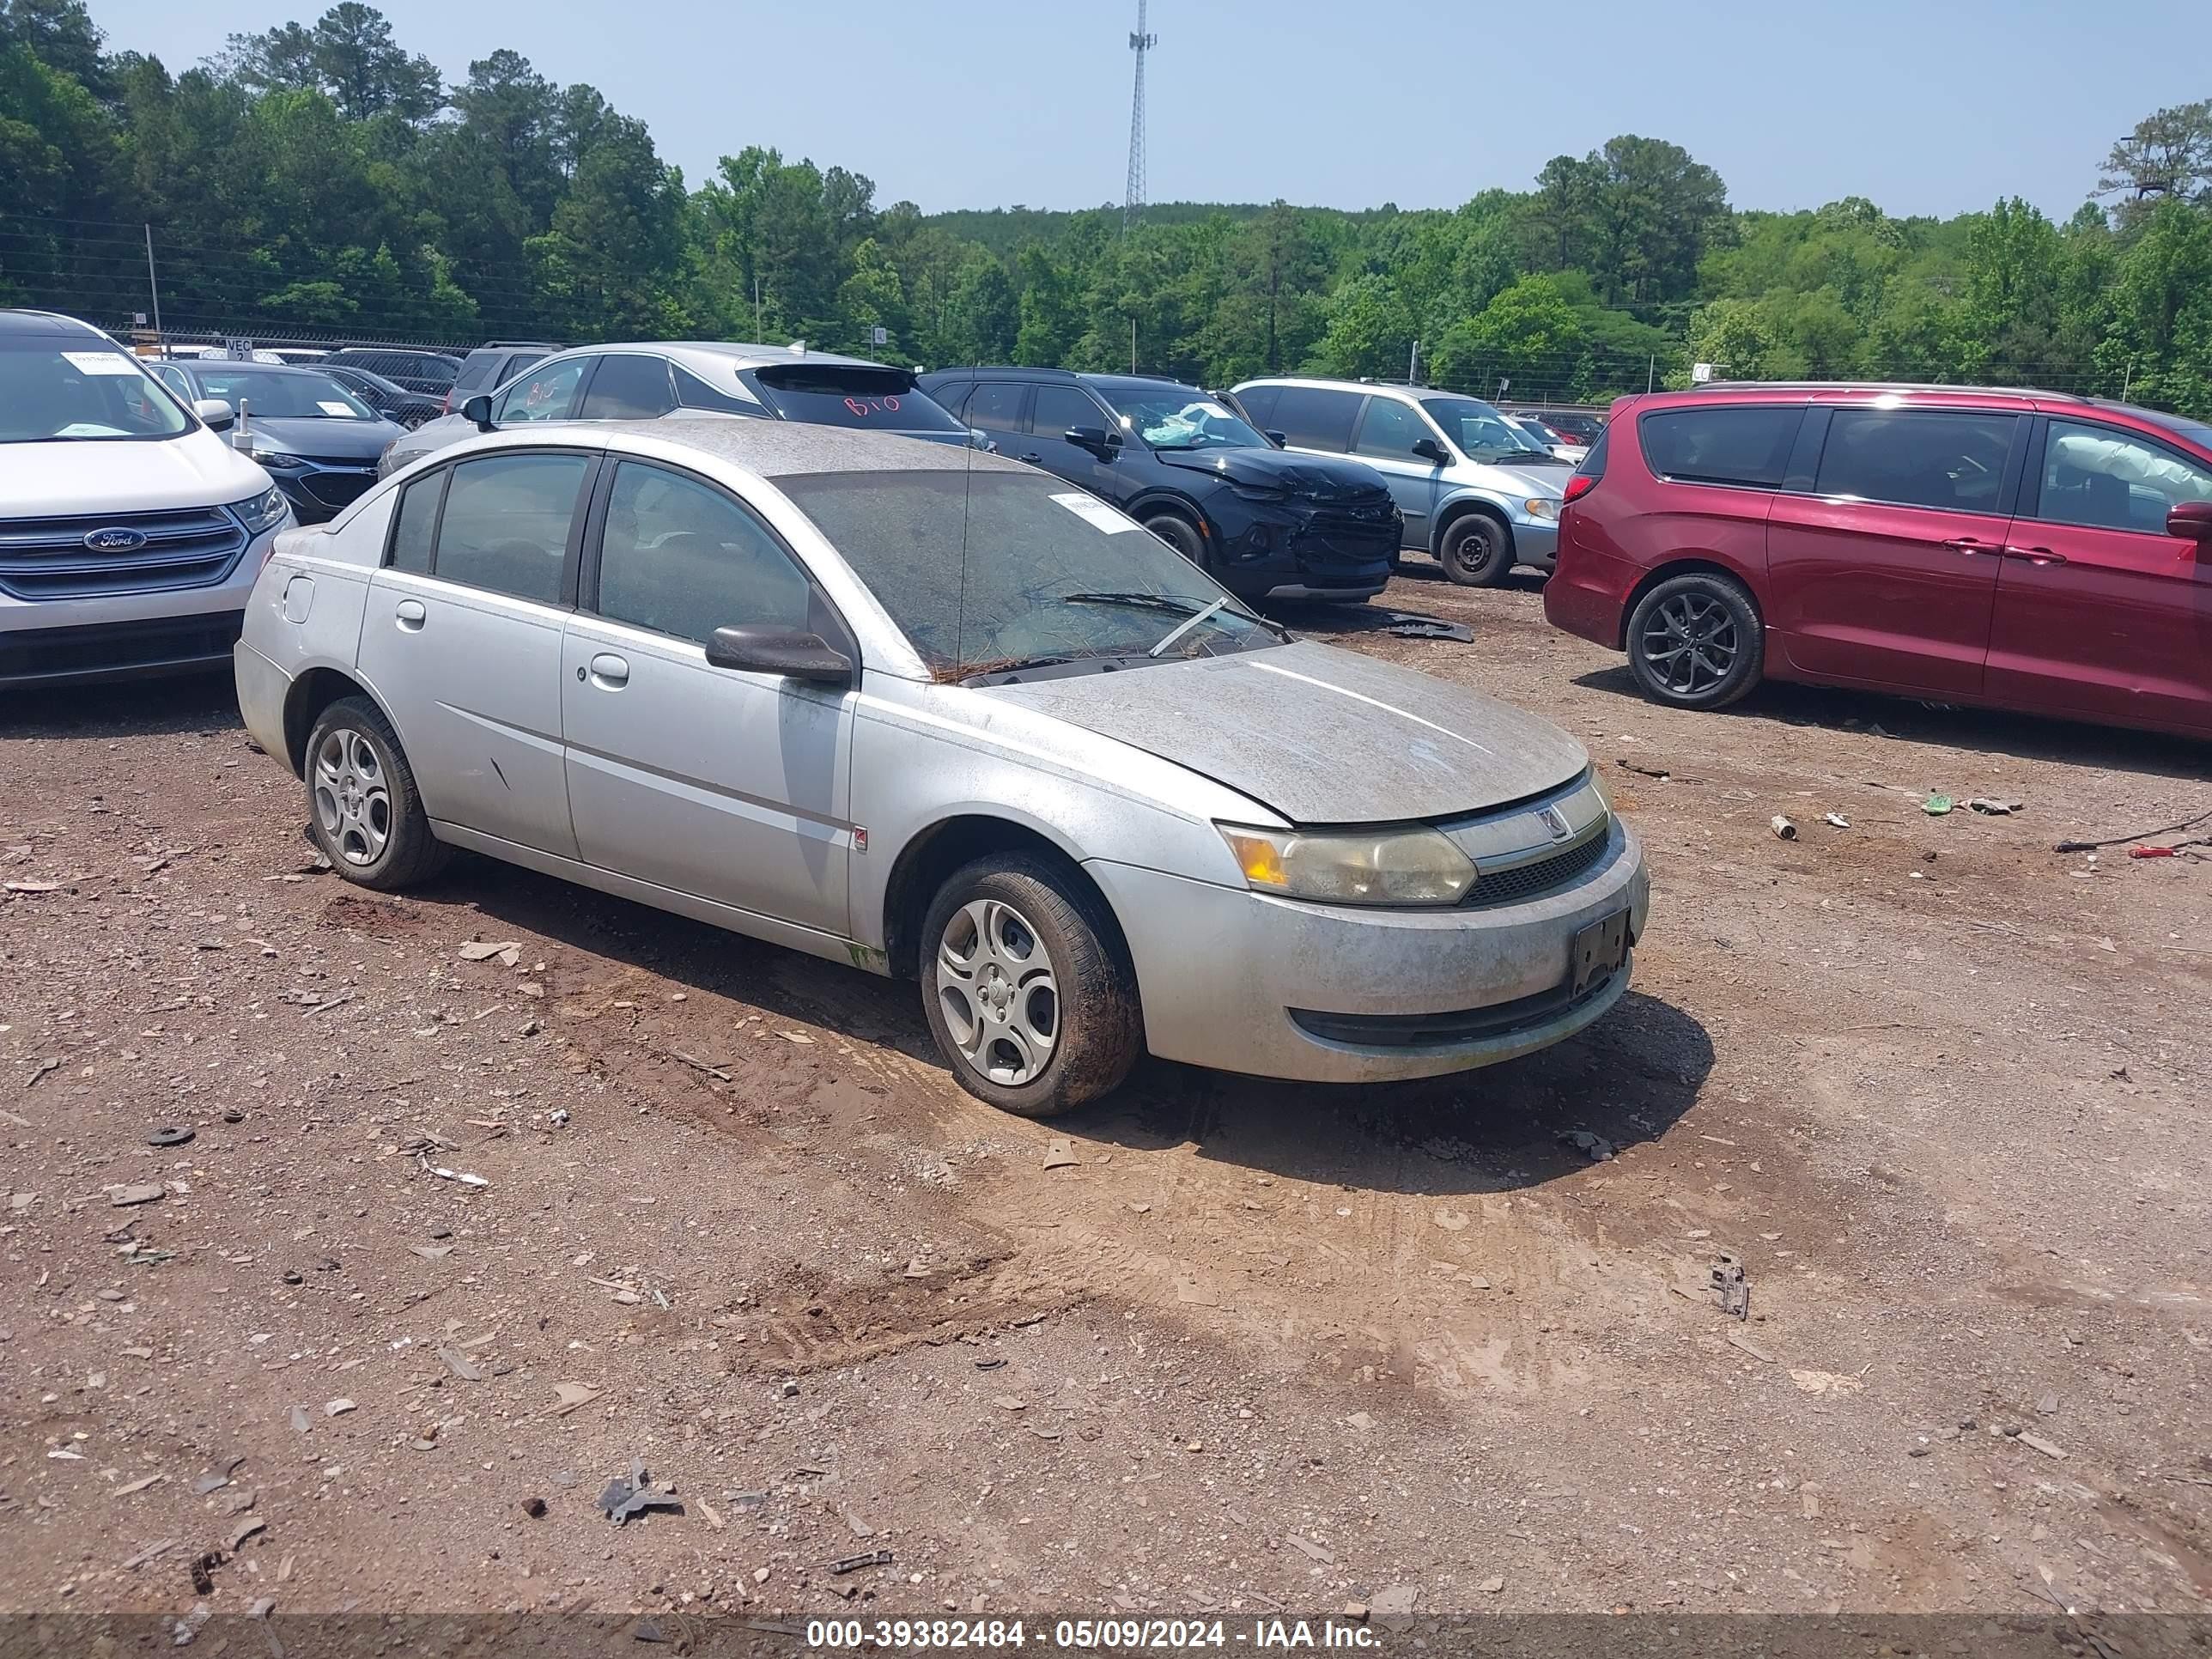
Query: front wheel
[1477, 551]
[1180, 534]
[1695, 641]
[1025, 986]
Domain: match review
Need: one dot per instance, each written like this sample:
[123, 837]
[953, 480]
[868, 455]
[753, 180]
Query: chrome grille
[49, 559]
[1538, 876]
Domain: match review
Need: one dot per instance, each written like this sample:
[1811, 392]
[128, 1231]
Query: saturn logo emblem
[1555, 821]
[115, 540]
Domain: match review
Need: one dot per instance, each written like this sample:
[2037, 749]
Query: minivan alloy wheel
[1691, 642]
[353, 797]
[995, 986]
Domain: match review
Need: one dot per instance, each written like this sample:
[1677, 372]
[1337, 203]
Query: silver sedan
[951, 720]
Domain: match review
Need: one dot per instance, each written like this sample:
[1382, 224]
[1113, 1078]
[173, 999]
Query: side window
[548, 395]
[1738, 444]
[997, 406]
[1060, 407]
[474, 373]
[1259, 404]
[694, 393]
[680, 558]
[506, 524]
[629, 387]
[1315, 417]
[1917, 458]
[951, 396]
[175, 379]
[416, 523]
[2107, 479]
[1389, 430]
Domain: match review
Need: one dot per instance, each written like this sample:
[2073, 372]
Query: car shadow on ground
[186, 702]
[1626, 1078]
[2020, 737]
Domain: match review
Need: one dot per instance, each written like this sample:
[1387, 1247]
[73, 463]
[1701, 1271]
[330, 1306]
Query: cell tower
[1133, 205]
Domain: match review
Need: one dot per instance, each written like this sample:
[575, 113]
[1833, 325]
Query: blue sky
[1931, 106]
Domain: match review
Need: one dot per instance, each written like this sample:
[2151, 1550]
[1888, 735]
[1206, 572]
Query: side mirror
[2192, 522]
[215, 414]
[1098, 440]
[785, 650]
[478, 408]
[1429, 450]
[1280, 440]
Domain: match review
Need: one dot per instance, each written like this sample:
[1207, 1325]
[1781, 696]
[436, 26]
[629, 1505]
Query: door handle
[409, 615]
[607, 671]
[1033, 459]
[1970, 545]
[2035, 555]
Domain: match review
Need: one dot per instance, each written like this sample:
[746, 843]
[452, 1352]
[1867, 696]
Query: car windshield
[1480, 431]
[987, 571]
[281, 394]
[886, 399]
[69, 390]
[1177, 417]
[2196, 431]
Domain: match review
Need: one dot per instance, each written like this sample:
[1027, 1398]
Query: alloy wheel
[353, 799]
[1691, 642]
[995, 986]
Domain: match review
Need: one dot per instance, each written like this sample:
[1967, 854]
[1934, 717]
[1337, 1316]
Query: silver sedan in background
[948, 718]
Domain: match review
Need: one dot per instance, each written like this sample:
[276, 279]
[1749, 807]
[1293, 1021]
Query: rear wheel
[1025, 986]
[1180, 534]
[1695, 641]
[1477, 550]
[363, 808]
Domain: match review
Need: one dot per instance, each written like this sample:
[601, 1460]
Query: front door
[460, 640]
[2101, 615]
[727, 786]
[1387, 432]
[1056, 408]
[1884, 574]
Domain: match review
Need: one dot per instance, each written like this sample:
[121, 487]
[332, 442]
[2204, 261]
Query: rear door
[727, 786]
[1388, 431]
[461, 636]
[2101, 615]
[629, 386]
[1884, 571]
[1317, 419]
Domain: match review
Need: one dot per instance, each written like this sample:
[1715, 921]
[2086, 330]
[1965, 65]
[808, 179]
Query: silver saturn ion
[952, 719]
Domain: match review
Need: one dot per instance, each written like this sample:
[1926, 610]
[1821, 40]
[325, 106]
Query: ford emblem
[115, 540]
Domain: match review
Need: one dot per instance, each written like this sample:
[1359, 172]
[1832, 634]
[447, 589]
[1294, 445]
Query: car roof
[51, 323]
[232, 365]
[1390, 388]
[734, 354]
[1805, 391]
[778, 449]
[1056, 376]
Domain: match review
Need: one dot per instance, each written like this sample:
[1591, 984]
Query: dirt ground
[1240, 1345]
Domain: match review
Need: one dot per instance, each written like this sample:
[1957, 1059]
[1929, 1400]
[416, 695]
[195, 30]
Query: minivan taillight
[1580, 485]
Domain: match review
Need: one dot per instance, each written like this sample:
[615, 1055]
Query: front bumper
[1535, 542]
[1301, 550]
[1243, 981]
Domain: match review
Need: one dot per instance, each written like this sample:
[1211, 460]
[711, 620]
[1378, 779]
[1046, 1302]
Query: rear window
[1592, 465]
[886, 399]
[1952, 459]
[1726, 444]
[1258, 403]
[1315, 417]
[475, 373]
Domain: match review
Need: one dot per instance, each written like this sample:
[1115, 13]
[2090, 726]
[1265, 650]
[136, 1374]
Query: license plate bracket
[1598, 949]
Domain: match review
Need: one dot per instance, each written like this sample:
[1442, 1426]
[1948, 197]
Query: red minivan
[2018, 549]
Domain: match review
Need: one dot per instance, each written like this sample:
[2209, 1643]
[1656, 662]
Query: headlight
[1414, 865]
[1259, 492]
[1541, 506]
[263, 512]
[281, 460]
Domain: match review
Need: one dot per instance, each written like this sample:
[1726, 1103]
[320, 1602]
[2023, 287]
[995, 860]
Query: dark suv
[1264, 524]
[494, 364]
[430, 372]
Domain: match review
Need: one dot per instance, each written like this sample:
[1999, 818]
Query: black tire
[344, 818]
[1180, 534]
[1477, 550]
[1696, 641]
[1095, 1028]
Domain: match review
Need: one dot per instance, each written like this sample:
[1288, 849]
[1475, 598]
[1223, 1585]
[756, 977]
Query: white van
[131, 533]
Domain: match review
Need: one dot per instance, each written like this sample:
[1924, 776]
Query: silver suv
[1477, 493]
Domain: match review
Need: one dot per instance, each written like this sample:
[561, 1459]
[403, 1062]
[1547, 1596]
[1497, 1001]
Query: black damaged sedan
[1263, 523]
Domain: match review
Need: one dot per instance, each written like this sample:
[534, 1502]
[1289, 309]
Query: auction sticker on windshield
[101, 362]
[342, 410]
[1095, 512]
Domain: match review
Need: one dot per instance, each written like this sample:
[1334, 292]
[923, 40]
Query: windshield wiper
[1188, 623]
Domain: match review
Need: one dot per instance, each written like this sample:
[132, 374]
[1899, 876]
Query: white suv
[130, 534]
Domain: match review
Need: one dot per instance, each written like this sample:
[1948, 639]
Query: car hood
[1319, 735]
[1543, 478]
[198, 469]
[1302, 475]
[336, 440]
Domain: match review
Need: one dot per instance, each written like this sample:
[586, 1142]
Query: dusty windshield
[60, 391]
[1481, 433]
[1175, 417]
[1047, 575]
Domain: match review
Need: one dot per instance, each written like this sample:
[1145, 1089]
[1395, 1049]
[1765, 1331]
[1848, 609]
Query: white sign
[238, 349]
[1094, 512]
[342, 412]
[880, 335]
[1700, 372]
[100, 362]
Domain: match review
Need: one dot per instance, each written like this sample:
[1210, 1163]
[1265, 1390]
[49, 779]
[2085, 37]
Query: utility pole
[1132, 345]
[151, 283]
[1650, 373]
[1132, 203]
[756, 307]
[1413, 365]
